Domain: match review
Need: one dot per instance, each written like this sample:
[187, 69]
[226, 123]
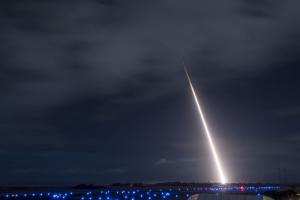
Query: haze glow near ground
[210, 140]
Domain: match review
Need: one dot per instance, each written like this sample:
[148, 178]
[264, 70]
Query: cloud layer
[84, 78]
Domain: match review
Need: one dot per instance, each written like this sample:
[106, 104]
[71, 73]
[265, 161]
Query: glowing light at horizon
[210, 140]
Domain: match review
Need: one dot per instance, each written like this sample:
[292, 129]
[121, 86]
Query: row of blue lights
[46, 195]
[136, 194]
[130, 195]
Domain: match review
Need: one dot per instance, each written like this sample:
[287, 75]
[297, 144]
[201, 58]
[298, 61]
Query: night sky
[93, 91]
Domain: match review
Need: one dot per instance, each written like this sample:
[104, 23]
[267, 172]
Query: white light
[210, 140]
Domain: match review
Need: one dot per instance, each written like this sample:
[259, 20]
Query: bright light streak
[210, 140]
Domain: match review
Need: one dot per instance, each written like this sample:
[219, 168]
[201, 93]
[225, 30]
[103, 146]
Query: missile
[207, 132]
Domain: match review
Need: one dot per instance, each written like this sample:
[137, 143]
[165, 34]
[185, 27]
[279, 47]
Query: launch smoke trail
[210, 140]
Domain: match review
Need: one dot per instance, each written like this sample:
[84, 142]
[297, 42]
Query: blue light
[144, 194]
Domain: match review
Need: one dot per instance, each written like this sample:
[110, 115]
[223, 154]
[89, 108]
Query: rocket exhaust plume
[210, 140]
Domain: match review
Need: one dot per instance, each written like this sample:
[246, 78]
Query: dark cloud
[259, 9]
[98, 87]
